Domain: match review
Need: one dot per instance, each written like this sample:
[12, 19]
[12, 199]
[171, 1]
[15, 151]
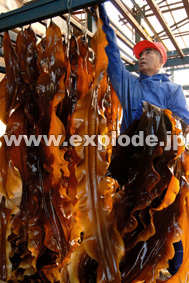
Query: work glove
[103, 14]
[139, 111]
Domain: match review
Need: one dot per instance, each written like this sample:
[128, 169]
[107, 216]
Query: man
[152, 86]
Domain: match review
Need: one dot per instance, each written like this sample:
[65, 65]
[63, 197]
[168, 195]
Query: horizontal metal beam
[127, 59]
[167, 10]
[155, 8]
[170, 62]
[121, 35]
[175, 26]
[40, 10]
[175, 53]
[134, 68]
[162, 5]
[130, 18]
[177, 61]
[178, 34]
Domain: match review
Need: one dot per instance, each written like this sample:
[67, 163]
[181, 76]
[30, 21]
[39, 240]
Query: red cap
[141, 45]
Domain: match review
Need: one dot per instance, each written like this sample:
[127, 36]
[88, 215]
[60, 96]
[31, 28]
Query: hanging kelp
[101, 240]
[154, 189]
[74, 207]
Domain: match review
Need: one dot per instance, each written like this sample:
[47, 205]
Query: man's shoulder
[167, 80]
[132, 77]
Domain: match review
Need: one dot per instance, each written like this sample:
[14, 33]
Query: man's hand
[139, 111]
[103, 14]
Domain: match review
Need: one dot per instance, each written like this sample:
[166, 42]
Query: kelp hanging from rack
[153, 198]
[62, 218]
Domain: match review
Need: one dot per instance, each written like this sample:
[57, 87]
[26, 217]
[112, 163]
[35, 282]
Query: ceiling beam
[170, 63]
[130, 18]
[167, 10]
[148, 23]
[175, 26]
[153, 5]
[164, 6]
[174, 53]
[40, 10]
[155, 8]
[177, 61]
[186, 6]
[178, 34]
[77, 24]
[121, 35]
[128, 58]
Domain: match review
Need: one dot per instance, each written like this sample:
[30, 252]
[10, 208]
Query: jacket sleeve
[178, 105]
[119, 76]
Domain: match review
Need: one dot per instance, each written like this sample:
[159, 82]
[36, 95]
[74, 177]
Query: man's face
[149, 62]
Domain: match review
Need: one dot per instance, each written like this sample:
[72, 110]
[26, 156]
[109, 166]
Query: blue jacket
[130, 89]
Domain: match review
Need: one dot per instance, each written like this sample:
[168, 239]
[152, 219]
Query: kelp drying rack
[40, 10]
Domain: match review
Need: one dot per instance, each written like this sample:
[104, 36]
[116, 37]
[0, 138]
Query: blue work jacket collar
[156, 77]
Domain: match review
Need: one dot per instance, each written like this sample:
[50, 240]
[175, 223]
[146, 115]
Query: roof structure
[166, 21]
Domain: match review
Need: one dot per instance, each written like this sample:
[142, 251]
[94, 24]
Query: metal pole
[41, 10]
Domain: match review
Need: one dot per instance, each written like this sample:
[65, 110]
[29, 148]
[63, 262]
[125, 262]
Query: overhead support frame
[121, 35]
[155, 8]
[174, 53]
[75, 23]
[148, 23]
[178, 61]
[130, 18]
[173, 27]
[40, 10]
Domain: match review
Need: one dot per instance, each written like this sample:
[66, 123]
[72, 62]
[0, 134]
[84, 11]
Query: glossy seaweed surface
[89, 211]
